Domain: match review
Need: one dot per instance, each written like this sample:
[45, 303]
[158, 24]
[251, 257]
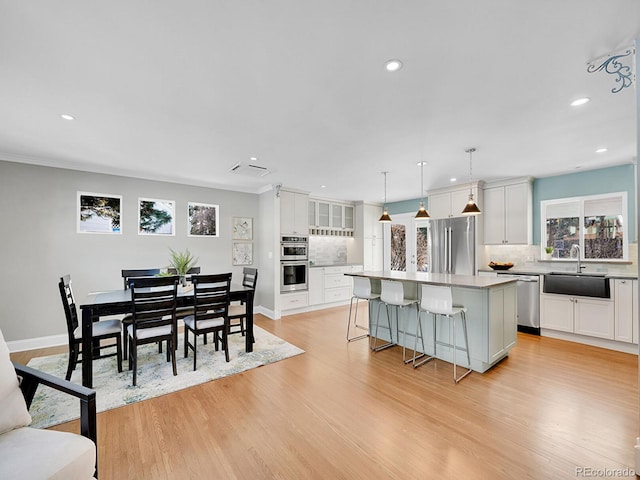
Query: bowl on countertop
[500, 266]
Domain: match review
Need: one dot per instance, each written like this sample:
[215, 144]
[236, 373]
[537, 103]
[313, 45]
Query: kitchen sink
[580, 284]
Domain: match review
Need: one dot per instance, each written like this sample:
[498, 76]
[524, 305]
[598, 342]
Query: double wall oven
[294, 263]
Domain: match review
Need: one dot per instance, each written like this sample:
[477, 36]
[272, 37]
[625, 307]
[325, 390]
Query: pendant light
[422, 212]
[471, 208]
[385, 218]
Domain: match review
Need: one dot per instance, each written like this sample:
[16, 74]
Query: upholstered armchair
[31, 453]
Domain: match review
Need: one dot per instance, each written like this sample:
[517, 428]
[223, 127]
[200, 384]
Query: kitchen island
[491, 315]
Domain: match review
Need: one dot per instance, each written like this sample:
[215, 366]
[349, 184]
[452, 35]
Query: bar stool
[392, 295]
[438, 301]
[361, 291]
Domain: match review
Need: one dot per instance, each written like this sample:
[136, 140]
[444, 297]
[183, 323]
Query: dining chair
[102, 330]
[210, 312]
[145, 272]
[182, 312]
[239, 311]
[154, 316]
[127, 319]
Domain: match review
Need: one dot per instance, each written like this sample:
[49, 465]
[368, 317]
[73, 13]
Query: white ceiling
[182, 91]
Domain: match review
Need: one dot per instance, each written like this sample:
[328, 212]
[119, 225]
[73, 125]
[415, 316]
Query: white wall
[40, 244]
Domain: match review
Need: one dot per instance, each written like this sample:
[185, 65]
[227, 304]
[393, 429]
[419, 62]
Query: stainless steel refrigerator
[451, 244]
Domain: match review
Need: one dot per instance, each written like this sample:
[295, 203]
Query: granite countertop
[469, 281]
[534, 270]
[317, 265]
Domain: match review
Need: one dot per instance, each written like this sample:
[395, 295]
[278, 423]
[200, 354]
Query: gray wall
[39, 240]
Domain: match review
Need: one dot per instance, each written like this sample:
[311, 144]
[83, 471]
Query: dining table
[118, 302]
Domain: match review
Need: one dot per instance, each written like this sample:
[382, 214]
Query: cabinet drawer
[336, 270]
[289, 301]
[336, 280]
[337, 294]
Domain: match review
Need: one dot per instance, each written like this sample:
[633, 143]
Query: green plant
[182, 261]
[548, 249]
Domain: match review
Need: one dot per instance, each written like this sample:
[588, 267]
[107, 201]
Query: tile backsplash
[327, 250]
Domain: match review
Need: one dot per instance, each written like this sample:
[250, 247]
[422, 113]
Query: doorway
[406, 245]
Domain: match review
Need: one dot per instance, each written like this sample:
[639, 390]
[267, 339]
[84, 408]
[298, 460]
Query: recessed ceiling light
[453, 179]
[253, 159]
[323, 186]
[601, 150]
[393, 65]
[66, 116]
[580, 101]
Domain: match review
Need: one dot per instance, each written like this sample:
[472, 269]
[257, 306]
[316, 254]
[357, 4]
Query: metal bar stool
[392, 295]
[438, 301]
[361, 291]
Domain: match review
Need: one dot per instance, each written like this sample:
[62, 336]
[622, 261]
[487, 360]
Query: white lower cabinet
[337, 286]
[556, 312]
[634, 315]
[582, 315]
[289, 301]
[594, 317]
[626, 310]
[316, 286]
[330, 284]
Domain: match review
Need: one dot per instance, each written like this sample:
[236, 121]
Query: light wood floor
[341, 412]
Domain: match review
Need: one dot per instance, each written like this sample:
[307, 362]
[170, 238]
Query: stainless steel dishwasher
[528, 288]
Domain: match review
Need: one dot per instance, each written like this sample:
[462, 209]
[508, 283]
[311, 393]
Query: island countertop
[448, 279]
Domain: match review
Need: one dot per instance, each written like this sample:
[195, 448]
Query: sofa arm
[31, 378]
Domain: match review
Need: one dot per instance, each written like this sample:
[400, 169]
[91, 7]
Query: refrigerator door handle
[448, 249]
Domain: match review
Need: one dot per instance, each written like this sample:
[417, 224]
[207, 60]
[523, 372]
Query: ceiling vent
[249, 170]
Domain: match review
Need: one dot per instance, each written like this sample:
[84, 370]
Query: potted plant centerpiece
[182, 262]
[549, 252]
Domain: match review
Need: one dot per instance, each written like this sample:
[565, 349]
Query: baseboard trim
[39, 342]
[59, 340]
[593, 341]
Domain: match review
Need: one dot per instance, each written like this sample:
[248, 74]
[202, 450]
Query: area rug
[155, 376]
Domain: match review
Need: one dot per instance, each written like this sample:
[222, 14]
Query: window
[596, 224]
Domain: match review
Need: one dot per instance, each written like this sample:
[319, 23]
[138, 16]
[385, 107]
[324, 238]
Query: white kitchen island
[491, 315]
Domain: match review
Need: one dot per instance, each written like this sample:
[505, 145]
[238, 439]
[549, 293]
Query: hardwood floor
[341, 412]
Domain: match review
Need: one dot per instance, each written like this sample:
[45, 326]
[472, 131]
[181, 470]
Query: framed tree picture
[242, 253]
[99, 213]
[203, 220]
[242, 228]
[156, 217]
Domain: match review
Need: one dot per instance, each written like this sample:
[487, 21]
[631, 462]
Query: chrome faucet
[579, 266]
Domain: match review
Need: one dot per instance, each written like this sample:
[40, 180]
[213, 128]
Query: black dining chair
[238, 313]
[102, 330]
[126, 321]
[144, 272]
[210, 312]
[154, 316]
[182, 312]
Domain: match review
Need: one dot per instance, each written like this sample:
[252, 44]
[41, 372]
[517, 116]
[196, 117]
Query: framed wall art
[242, 228]
[203, 220]
[99, 213]
[156, 217]
[242, 253]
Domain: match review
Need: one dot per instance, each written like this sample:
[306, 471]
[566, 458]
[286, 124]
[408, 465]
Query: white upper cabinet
[447, 203]
[294, 213]
[330, 218]
[508, 213]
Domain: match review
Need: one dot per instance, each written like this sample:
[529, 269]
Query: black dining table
[118, 302]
